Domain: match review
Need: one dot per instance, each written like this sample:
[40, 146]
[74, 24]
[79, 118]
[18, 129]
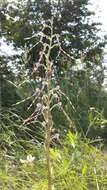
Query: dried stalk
[49, 116]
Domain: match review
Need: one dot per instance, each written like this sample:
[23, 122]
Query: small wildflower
[57, 88]
[56, 96]
[92, 108]
[44, 108]
[44, 98]
[28, 160]
[40, 34]
[59, 105]
[39, 105]
[37, 90]
[40, 79]
[56, 136]
[44, 124]
[102, 126]
[44, 83]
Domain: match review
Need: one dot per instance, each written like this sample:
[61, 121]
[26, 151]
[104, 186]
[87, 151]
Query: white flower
[55, 96]
[37, 90]
[44, 83]
[40, 34]
[39, 79]
[28, 160]
[56, 136]
[60, 104]
[44, 98]
[102, 126]
[39, 105]
[92, 108]
[57, 88]
[44, 124]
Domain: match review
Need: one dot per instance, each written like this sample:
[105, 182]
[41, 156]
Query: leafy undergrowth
[75, 165]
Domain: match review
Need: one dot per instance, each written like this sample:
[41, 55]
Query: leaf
[53, 154]
[84, 170]
[72, 138]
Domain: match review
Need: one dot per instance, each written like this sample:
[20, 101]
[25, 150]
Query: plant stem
[49, 116]
[48, 138]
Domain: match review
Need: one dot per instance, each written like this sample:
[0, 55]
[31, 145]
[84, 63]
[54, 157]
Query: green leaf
[84, 170]
[72, 138]
[53, 154]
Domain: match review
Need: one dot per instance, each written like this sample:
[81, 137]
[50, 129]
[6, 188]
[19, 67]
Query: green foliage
[81, 83]
[9, 93]
[80, 167]
[72, 21]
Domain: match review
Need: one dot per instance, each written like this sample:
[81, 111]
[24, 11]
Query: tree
[72, 21]
[83, 69]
